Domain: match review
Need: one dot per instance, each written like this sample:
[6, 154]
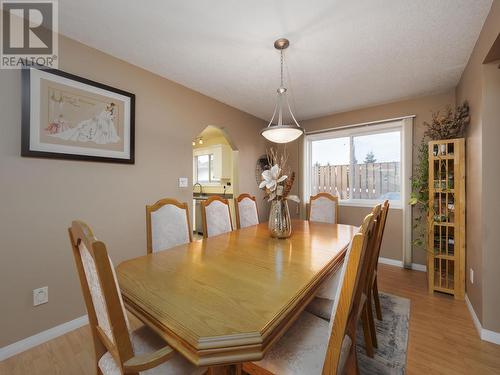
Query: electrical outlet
[471, 276]
[40, 296]
[183, 182]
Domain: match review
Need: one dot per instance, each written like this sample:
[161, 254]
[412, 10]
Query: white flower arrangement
[275, 183]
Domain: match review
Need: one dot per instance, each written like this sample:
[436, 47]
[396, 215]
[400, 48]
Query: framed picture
[69, 117]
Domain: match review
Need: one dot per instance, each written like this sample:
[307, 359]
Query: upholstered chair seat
[322, 303]
[216, 216]
[302, 348]
[144, 341]
[246, 211]
[323, 208]
[168, 225]
[321, 307]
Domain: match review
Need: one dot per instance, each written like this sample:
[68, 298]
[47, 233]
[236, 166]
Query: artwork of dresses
[99, 129]
[70, 117]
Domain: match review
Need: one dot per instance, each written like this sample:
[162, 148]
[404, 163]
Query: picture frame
[65, 116]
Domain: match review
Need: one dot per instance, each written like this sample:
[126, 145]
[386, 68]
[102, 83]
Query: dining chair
[246, 211]
[364, 306]
[312, 345]
[323, 207]
[216, 216]
[324, 300]
[167, 225]
[118, 349]
[373, 280]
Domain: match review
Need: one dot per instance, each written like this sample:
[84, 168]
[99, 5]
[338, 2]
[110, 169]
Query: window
[204, 168]
[360, 165]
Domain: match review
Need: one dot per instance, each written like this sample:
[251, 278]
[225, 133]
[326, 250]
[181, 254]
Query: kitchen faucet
[201, 187]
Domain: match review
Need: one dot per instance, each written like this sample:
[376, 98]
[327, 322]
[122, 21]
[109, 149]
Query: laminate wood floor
[443, 339]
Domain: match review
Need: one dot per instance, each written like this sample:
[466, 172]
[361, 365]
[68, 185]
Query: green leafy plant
[420, 194]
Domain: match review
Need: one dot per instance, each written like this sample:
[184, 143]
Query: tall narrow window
[203, 168]
[359, 165]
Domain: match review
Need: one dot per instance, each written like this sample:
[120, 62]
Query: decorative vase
[443, 149]
[280, 224]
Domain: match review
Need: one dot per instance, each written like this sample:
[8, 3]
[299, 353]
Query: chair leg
[351, 367]
[371, 321]
[367, 333]
[376, 298]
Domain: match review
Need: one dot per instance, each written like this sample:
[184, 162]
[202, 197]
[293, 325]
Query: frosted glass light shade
[282, 133]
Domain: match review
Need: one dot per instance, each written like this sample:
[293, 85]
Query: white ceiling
[343, 55]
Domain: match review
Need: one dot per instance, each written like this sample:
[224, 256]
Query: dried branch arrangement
[448, 125]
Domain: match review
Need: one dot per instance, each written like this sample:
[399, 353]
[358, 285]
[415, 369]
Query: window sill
[368, 203]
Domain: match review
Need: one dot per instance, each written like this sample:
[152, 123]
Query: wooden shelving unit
[446, 233]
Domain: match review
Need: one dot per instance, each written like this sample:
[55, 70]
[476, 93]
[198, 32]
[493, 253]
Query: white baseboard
[475, 319]
[32, 341]
[390, 262]
[419, 267]
[398, 263]
[490, 336]
[484, 334]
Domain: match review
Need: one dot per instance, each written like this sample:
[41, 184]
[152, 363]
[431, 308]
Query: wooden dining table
[225, 300]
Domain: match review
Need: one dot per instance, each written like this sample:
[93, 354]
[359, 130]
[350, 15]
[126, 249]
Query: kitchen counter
[205, 196]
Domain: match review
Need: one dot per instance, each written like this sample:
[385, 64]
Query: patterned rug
[392, 336]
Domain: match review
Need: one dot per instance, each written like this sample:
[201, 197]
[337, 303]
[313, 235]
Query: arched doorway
[215, 170]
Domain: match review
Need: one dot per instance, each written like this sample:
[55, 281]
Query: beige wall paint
[422, 108]
[40, 197]
[391, 244]
[491, 198]
[480, 177]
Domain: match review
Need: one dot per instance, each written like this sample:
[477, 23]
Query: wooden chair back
[107, 318]
[167, 224]
[345, 300]
[216, 216]
[246, 211]
[323, 207]
[371, 250]
[381, 229]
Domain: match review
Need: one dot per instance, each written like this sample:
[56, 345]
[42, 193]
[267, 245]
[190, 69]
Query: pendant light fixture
[280, 132]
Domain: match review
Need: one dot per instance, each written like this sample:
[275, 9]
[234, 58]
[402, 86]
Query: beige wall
[478, 88]
[40, 197]
[422, 108]
[491, 198]
[391, 244]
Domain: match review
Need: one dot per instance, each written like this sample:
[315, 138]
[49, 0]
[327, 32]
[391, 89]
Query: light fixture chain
[281, 68]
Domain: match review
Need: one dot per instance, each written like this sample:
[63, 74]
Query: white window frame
[406, 150]
[210, 182]
[405, 124]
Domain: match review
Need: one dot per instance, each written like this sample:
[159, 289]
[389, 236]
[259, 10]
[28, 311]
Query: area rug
[392, 336]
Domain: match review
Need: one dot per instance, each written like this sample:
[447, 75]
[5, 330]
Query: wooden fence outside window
[369, 181]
